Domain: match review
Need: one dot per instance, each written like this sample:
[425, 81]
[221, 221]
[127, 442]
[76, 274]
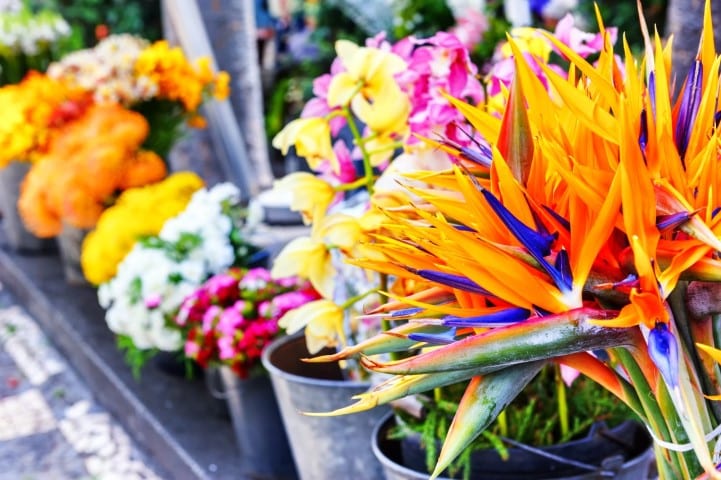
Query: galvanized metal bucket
[262, 442]
[324, 448]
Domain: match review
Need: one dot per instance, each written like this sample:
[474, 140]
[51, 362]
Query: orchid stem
[367, 167]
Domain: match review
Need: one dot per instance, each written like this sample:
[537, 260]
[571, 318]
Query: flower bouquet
[137, 212]
[161, 270]
[88, 162]
[33, 110]
[29, 41]
[154, 79]
[234, 315]
[587, 225]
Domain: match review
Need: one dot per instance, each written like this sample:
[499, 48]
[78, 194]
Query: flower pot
[323, 447]
[17, 236]
[70, 244]
[624, 452]
[262, 442]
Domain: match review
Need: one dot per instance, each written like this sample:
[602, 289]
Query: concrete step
[174, 420]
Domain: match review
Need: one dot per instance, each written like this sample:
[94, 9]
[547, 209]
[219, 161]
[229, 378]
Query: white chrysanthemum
[151, 284]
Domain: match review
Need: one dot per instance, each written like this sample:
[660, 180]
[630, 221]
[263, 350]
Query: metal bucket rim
[276, 371]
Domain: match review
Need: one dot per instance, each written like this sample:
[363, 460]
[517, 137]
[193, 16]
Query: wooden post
[236, 126]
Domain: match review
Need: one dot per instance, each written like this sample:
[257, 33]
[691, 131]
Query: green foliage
[624, 15]
[140, 17]
[422, 18]
[134, 357]
[532, 418]
[167, 124]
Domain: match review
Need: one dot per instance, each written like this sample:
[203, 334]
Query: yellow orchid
[323, 321]
[529, 40]
[310, 195]
[368, 71]
[307, 257]
[384, 113]
[311, 139]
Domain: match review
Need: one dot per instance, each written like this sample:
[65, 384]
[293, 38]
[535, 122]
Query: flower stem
[562, 402]
[351, 301]
[368, 179]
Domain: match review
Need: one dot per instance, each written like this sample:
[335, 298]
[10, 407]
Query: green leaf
[484, 399]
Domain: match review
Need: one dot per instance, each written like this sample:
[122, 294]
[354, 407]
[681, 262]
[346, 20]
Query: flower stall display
[29, 41]
[155, 79]
[160, 271]
[137, 213]
[586, 236]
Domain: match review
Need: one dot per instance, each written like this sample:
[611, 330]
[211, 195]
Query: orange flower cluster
[87, 164]
[30, 109]
[178, 79]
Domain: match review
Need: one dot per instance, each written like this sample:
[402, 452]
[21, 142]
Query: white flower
[149, 272]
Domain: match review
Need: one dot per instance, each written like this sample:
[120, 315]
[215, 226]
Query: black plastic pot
[622, 453]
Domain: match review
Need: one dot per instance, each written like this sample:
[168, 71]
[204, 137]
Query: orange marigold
[86, 166]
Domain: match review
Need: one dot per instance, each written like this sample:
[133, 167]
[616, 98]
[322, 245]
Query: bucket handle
[214, 383]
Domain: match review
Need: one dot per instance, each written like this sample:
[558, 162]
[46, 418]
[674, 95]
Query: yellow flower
[307, 257]
[341, 231]
[385, 112]
[368, 70]
[137, 212]
[311, 138]
[311, 196]
[528, 40]
[323, 321]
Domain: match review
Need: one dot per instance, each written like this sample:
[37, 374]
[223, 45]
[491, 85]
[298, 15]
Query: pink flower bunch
[536, 49]
[234, 315]
[434, 65]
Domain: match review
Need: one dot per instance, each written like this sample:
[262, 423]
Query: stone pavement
[51, 428]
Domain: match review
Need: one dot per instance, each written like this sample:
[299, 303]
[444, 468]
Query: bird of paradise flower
[584, 224]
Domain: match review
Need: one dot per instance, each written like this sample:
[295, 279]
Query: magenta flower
[226, 350]
[230, 319]
[583, 43]
[210, 317]
[191, 349]
[222, 286]
[153, 300]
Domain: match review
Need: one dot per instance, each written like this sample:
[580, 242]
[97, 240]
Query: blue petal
[463, 228]
[497, 319]
[669, 222]
[689, 107]
[435, 338]
[450, 280]
[663, 350]
[406, 312]
[538, 245]
[563, 266]
[652, 92]
[565, 223]
[643, 135]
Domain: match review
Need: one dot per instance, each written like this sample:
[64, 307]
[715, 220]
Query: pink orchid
[583, 43]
